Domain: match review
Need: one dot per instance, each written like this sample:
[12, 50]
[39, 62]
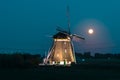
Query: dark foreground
[76, 72]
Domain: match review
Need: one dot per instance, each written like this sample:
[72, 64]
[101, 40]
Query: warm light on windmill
[90, 31]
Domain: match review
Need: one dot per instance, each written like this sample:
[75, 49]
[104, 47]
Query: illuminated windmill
[62, 50]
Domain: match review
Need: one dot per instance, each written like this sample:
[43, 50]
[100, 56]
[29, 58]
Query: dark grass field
[98, 70]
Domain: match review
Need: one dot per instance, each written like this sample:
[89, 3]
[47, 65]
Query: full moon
[90, 31]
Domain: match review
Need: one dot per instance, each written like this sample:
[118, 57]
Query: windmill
[62, 50]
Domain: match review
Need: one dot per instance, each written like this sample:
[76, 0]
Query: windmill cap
[60, 35]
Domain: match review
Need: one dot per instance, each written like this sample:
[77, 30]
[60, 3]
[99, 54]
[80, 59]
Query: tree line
[98, 55]
[26, 60]
[19, 60]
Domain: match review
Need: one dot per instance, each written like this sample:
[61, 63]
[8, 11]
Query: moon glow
[90, 31]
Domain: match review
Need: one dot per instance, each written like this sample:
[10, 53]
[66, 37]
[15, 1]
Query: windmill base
[60, 63]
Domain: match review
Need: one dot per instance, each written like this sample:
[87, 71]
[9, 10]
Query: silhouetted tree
[19, 60]
[87, 55]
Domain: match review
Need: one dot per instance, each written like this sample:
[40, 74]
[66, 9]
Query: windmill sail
[68, 16]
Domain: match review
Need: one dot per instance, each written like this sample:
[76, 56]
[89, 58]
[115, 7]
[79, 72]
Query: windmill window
[53, 62]
[69, 62]
[65, 51]
[61, 62]
[57, 55]
[65, 43]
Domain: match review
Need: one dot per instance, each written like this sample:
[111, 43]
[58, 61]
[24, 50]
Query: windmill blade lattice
[74, 35]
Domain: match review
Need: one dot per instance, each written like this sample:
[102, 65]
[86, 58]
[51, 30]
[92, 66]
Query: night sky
[26, 25]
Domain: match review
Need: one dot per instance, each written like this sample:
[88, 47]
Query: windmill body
[62, 52]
